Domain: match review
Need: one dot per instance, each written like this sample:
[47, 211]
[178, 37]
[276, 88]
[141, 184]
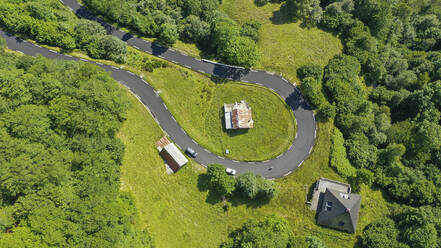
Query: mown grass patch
[179, 213]
[284, 45]
[197, 104]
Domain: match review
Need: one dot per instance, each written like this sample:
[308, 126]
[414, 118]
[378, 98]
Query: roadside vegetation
[50, 22]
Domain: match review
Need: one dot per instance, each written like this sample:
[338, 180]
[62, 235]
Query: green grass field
[179, 213]
[197, 104]
[284, 45]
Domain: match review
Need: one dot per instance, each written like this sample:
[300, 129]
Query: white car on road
[230, 171]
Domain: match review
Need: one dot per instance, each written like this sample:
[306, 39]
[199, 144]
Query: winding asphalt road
[278, 167]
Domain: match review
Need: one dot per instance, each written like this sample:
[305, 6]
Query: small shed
[171, 154]
[238, 115]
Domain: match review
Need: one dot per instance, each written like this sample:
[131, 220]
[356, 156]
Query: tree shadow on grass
[282, 16]
[238, 199]
[203, 186]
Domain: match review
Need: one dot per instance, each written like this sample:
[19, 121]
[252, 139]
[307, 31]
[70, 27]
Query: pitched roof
[240, 115]
[345, 208]
[177, 155]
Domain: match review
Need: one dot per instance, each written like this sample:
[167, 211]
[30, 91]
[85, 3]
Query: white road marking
[37, 46]
[165, 106]
[296, 134]
[290, 147]
[259, 84]
[245, 81]
[286, 174]
[50, 50]
[266, 161]
[83, 60]
[174, 119]
[131, 72]
[68, 55]
[98, 63]
[136, 47]
[193, 141]
[315, 133]
[207, 150]
[279, 156]
[253, 70]
[201, 71]
[116, 68]
[251, 162]
[310, 150]
[301, 163]
[187, 66]
[19, 51]
[235, 161]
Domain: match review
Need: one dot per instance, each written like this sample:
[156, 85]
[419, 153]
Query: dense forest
[50, 22]
[60, 159]
[384, 94]
[194, 21]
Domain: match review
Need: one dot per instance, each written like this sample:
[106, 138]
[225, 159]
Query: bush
[168, 34]
[194, 30]
[85, 30]
[314, 242]
[272, 231]
[246, 184]
[326, 112]
[241, 51]
[254, 186]
[338, 158]
[250, 29]
[312, 90]
[107, 47]
[219, 180]
[310, 70]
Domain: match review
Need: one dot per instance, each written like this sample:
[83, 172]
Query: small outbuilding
[238, 115]
[337, 207]
[171, 154]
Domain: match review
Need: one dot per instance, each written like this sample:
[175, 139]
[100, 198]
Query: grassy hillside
[178, 212]
[284, 45]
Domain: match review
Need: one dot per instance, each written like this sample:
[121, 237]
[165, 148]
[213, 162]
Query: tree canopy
[59, 157]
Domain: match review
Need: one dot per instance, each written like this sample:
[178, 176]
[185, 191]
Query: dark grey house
[337, 207]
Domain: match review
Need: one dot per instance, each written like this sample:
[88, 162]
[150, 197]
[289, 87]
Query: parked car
[191, 152]
[230, 171]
